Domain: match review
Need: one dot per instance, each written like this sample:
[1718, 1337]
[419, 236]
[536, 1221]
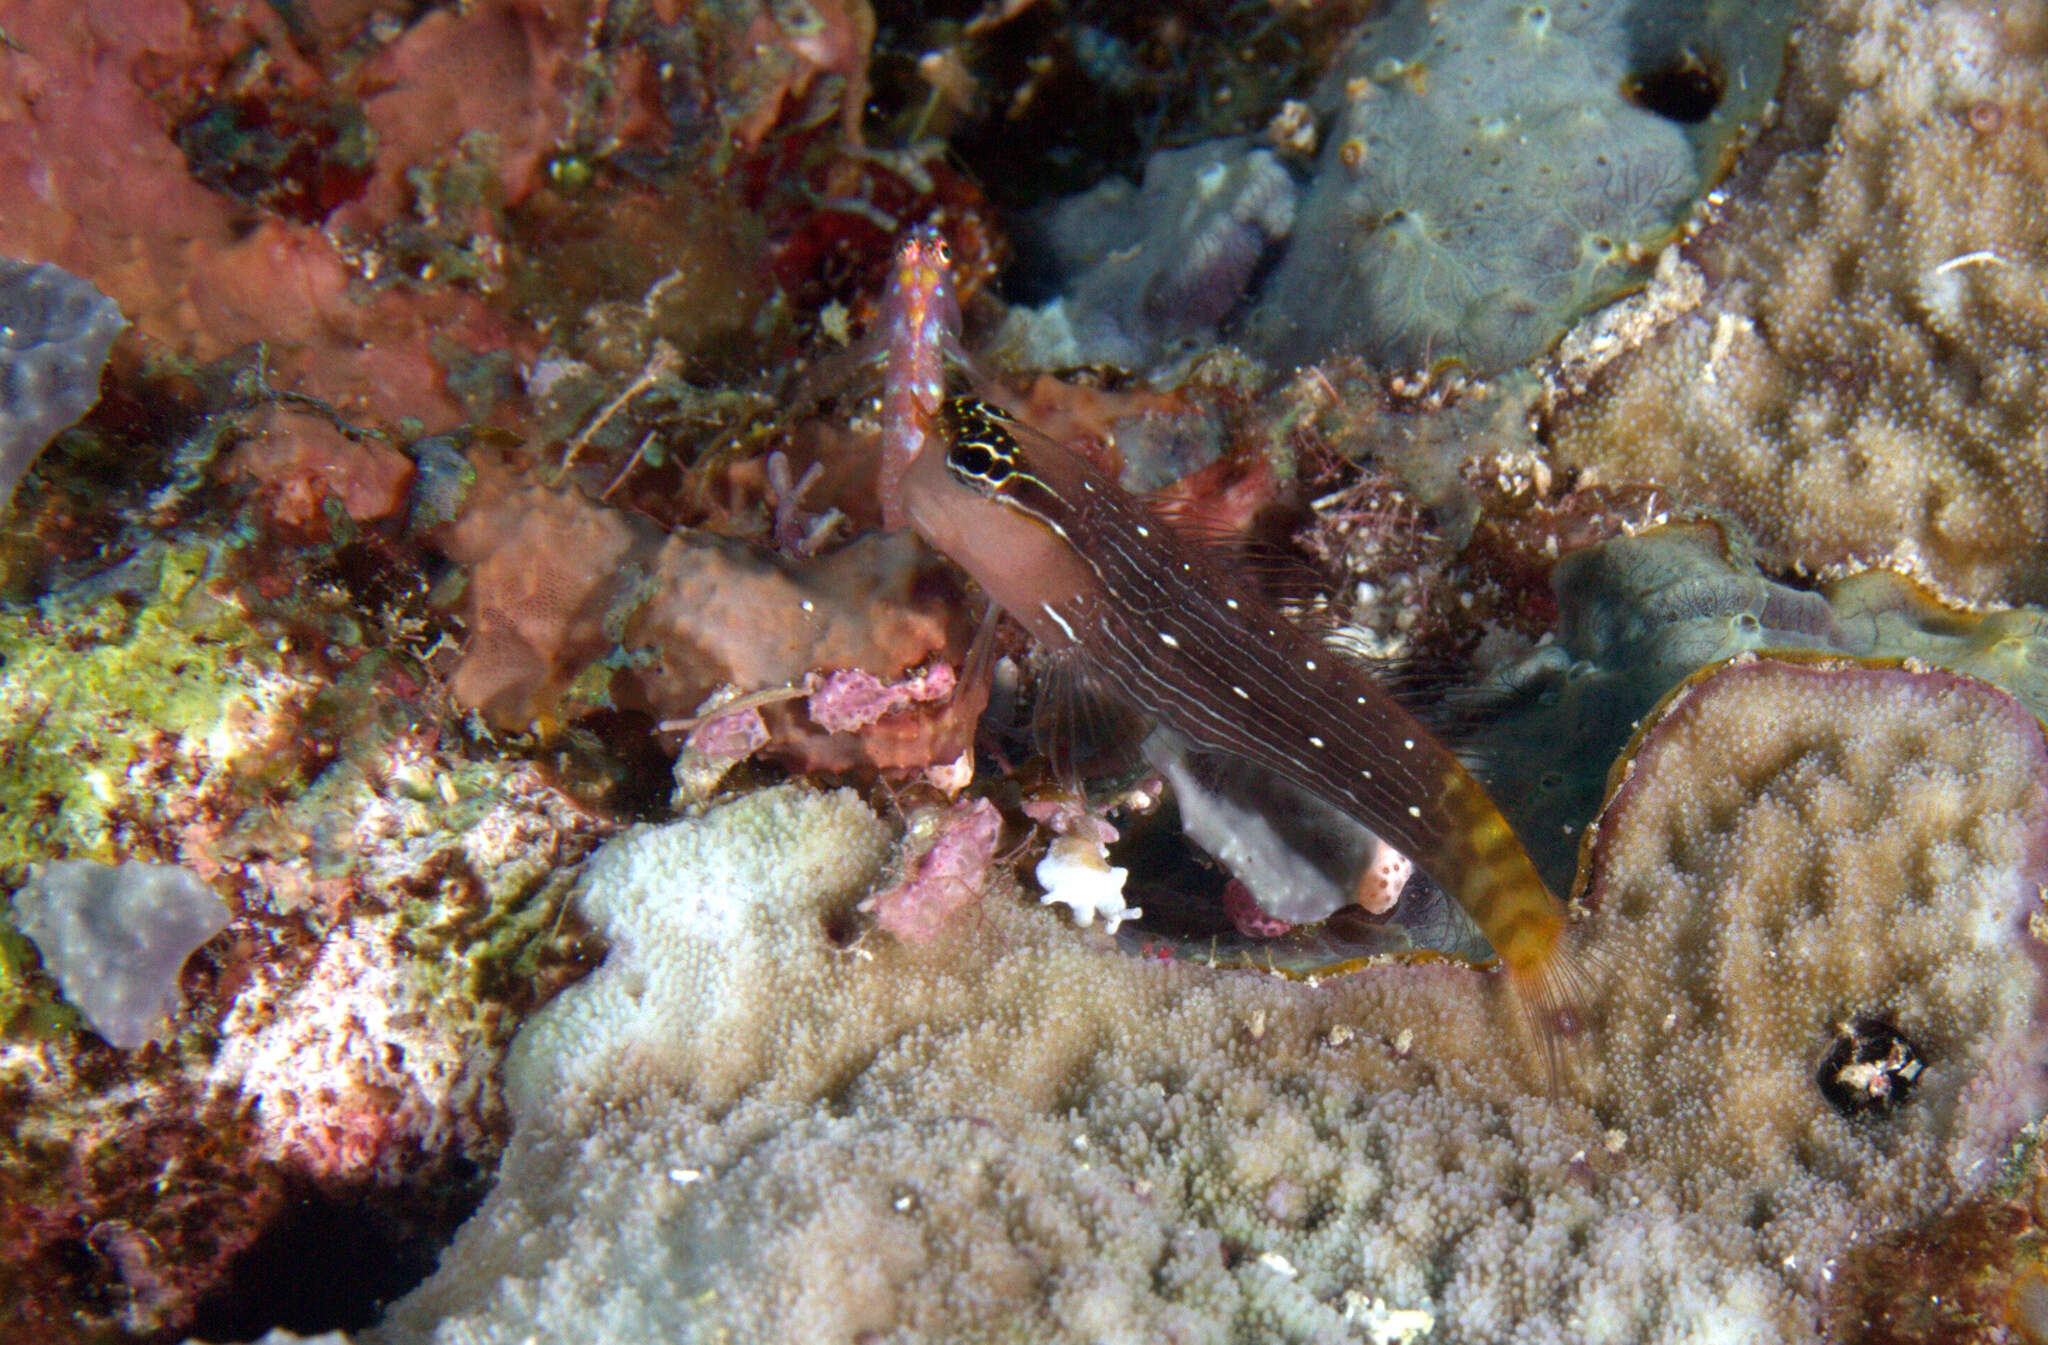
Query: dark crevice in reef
[336, 1256]
[1685, 88]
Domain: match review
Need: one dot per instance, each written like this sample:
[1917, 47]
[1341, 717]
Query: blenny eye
[976, 460]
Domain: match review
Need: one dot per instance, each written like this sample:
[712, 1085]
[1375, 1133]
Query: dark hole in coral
[1869, 1070]
[841, 929]
[372, 575]
[1683, 88]
[1068, 94]
[369, 1246]
[643, 777]
[605, 758]
[72, 1261]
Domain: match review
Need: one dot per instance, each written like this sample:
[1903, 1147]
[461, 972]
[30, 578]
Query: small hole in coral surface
[1869, 1069]
[1681, 88]
[1986, 117]
[841, 929]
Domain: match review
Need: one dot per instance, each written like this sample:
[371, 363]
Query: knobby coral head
[1796, 849]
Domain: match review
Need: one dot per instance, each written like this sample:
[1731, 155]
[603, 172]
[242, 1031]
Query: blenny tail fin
[1555, 992]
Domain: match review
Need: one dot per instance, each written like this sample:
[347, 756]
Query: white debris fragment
[1278, 1264]
[1076, 873]
[1386, 1325]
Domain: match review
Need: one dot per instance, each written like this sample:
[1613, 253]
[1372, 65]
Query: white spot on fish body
[1144, 531]
[1314, 741]
[1408, 743]
[1231, 603]
[1414, 811]
[1242, 693]
[1309, 664]
[1168, 640]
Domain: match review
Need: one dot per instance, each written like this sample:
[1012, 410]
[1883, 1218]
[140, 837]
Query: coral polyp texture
[55, 331]
[1863, 382]
[740, 1127]
[1491, 171]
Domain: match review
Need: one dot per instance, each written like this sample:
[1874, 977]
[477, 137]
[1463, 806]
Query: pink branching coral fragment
[852, 699]
[730, 737]
[949, 851]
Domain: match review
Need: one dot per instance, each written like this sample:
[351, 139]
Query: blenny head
[1001, 500]
[921, 282]
[982, 450]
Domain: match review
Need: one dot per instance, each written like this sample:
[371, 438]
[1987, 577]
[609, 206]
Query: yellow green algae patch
[134, 713]
[122, 710]
[397, 915]
[742, 1128]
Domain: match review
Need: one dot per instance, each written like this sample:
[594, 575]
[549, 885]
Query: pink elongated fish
[920, 333]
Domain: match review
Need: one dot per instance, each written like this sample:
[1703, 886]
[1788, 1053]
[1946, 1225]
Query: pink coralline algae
[732, 736]
[850, 700]
[1067, 815]
[945, 870]
[1246, 915]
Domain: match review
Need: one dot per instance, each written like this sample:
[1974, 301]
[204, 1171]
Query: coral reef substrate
[741, 1127]
[1862, 383]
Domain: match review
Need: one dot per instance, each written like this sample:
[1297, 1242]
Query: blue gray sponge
[116, 936]
[55, 330]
